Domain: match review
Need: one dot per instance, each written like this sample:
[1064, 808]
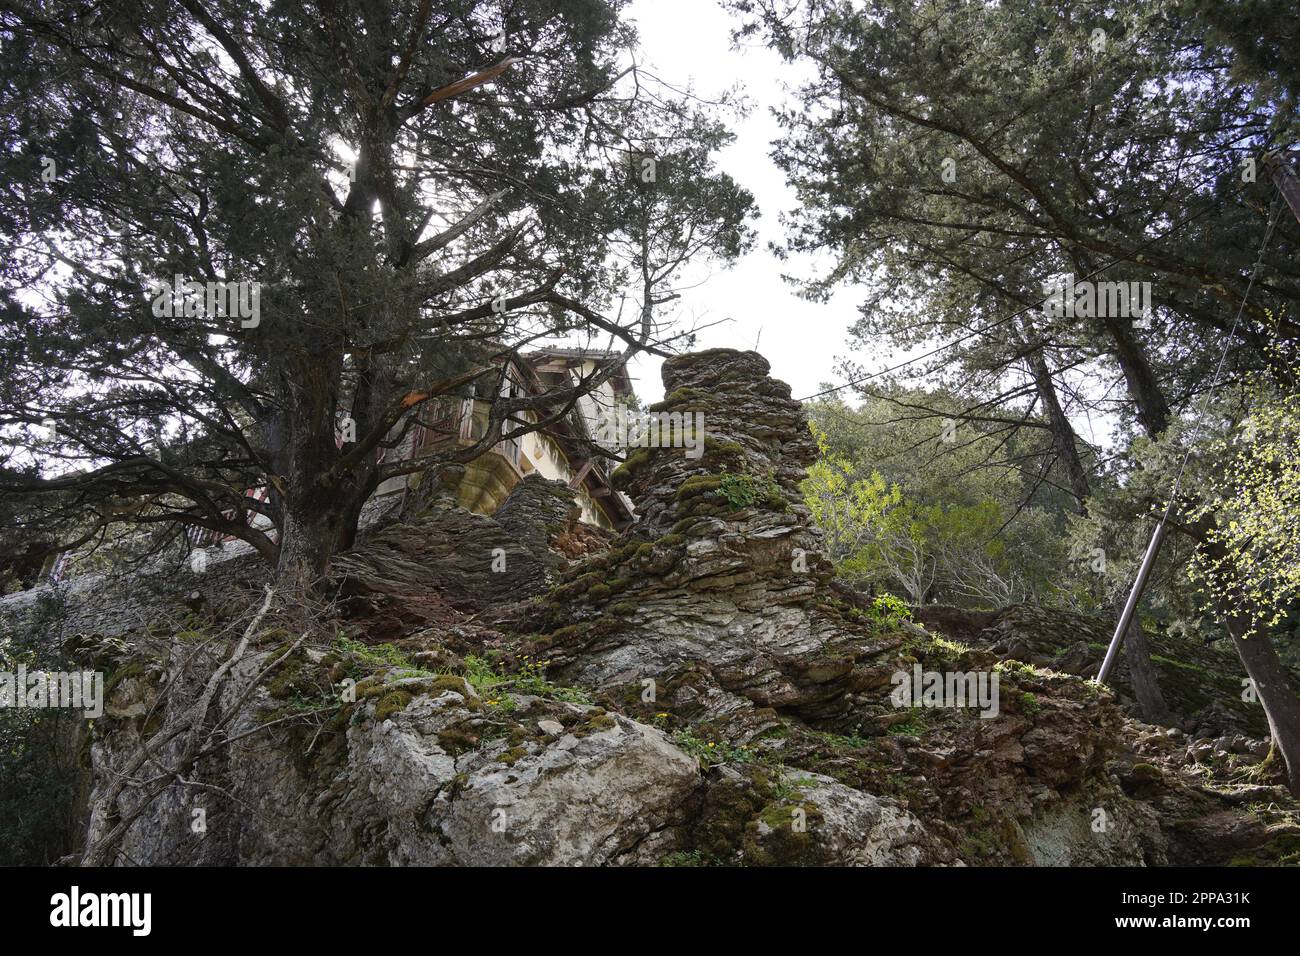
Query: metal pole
[1130, 606]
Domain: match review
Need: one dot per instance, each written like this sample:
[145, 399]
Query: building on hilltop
[559, 456]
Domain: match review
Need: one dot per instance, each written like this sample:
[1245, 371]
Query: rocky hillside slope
[698, 691]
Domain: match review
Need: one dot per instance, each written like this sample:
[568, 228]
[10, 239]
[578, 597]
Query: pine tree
[397, 198]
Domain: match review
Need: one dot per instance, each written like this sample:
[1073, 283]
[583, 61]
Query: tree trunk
[1273, 686]
[350, 517]
[321, 520]
[319, 499]
[1258, 655]
[1152, 409]
[1139, 378]
[1142, 674]
[308, 543]
[1063, 437]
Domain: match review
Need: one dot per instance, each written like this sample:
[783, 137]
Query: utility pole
[1134, 597]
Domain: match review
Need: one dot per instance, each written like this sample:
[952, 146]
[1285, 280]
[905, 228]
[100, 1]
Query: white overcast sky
[690, 41]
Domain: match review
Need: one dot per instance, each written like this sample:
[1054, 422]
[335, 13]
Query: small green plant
[914, 726]
[531, 679]
[710, 753]
[502, 702]
[842, 741]
[946, 650]
[1016, 668]
[742, 491]
[687, 858]
[786, 787]
[481, 676]
[370, 658]
[889, 612]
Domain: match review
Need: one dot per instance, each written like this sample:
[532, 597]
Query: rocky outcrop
[536, 512]
[443, 779]
[448, 561]
[716, 592]
[568, 785]
[700, 692]
[1202, 683]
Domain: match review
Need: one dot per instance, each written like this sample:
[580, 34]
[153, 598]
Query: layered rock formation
[446, 560]
[701, 692]
[444, 779]
[723, 574]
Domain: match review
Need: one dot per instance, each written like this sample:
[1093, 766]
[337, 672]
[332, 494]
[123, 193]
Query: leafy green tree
[1257, 38]
[847, 509]
[935, 519]
[1258, 525]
